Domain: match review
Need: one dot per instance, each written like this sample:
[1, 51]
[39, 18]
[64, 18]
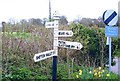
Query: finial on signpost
[56, 15]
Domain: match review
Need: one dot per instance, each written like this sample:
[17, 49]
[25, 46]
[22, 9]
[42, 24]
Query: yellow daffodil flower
[103, 71]
[90, 72]
[99, 73]
[80, 71]
[95, 74]
[77, 76]
[94, 71]
[107, 75]
[99, 68]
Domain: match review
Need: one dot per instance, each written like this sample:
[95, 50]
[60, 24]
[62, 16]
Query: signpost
[57, 43]
[110, 18]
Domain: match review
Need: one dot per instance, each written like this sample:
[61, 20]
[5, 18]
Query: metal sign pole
[110, 53]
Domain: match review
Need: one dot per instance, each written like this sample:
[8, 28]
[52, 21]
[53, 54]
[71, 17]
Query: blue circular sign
[110, 18]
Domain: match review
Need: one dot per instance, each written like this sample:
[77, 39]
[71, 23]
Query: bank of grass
[118, 53]
[17, 34]
[79, 72]
[23, 35]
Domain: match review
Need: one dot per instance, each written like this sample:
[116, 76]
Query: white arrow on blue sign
[110, 17]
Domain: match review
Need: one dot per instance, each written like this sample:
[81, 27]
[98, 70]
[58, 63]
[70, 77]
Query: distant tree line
[37, 21]
[89, 22]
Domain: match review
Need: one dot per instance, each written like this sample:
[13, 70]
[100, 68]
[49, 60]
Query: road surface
[116, 67]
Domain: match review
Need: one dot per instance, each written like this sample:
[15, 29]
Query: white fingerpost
[50, 24]
[63, 33]
[43, 55]
[70, 45]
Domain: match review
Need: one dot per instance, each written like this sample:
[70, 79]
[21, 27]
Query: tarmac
[116, 67]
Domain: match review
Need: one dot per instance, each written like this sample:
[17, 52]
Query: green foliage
[18, 73]
[118, 53]
[22, 74]
[90, 38]
[62, 71]
[116, 42]
[94, 44]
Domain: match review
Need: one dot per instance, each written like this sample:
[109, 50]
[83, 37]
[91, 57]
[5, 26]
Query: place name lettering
[63, 44]
[40, 56]
[64, 33]
[49, 54]
[61, 33]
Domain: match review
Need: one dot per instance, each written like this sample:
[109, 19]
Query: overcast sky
[25, 9]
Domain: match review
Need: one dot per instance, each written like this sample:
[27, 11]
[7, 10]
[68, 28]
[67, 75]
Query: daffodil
[77, 76]
[14, 33]
[94, 71]
[80, 71]
[99, 68]
[99, 73]
[103, 71]
[90, 72]
[95, 74]
[107, 75]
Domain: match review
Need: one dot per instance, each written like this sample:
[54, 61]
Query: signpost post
[56, 18]
[110, 18]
